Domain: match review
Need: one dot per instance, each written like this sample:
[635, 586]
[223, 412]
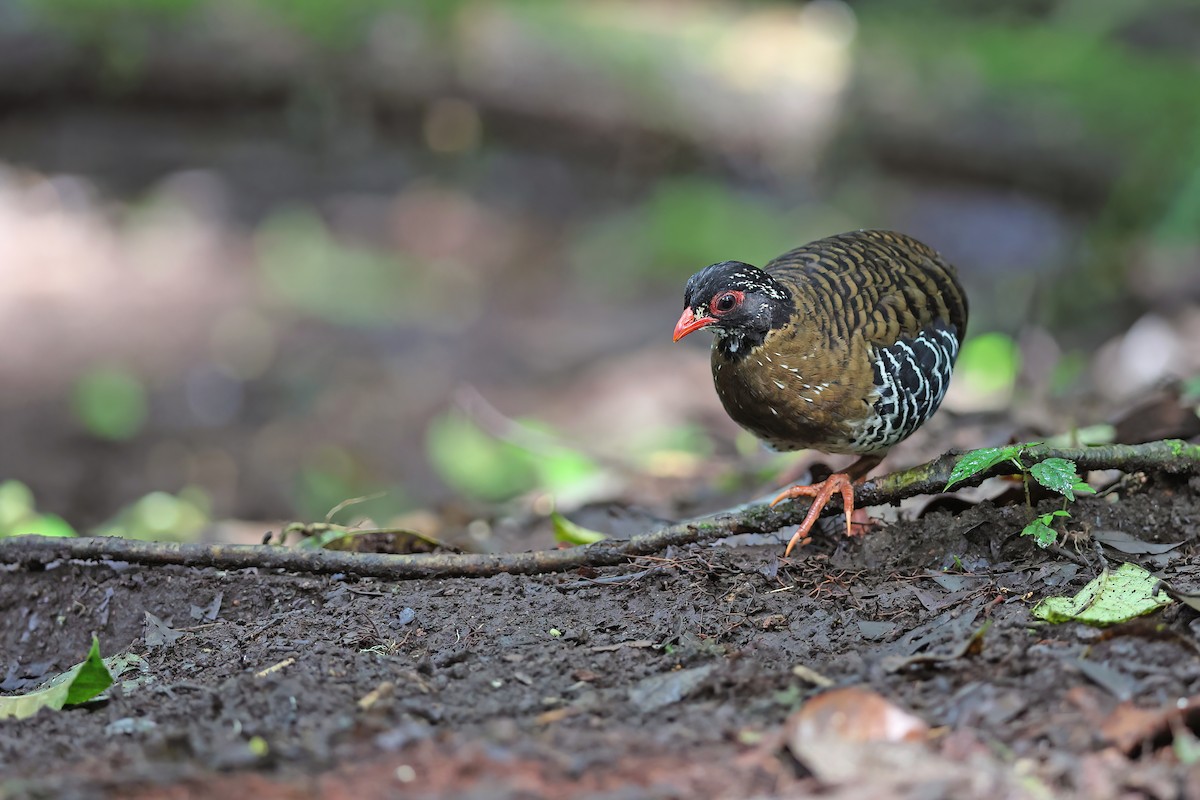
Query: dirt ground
[670, 677]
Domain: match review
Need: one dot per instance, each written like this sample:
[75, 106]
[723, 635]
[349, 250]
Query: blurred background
[259, 257]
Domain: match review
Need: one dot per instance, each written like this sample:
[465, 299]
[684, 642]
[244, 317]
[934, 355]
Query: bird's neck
[736, 345]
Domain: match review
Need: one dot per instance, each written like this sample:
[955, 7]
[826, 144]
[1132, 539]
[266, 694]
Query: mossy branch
[1168, 456]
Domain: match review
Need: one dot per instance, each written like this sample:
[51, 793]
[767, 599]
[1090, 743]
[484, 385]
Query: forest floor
[673, 676]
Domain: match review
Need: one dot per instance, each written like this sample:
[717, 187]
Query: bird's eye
[725, 302]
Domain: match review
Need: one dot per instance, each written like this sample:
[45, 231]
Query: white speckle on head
[773, 411]
[780, 385]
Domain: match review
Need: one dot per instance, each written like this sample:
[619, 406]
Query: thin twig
[1169, 456]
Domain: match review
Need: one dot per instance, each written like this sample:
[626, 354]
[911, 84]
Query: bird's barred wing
[884, 286]
[911, 377]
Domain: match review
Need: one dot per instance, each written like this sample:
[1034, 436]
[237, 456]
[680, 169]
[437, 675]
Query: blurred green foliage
[1180, 222]
[334, 25]
[1070, 74]
[687, 223]
[332, 484]
[1191, 391]
[476, 464]
[110, 402]
[989, 363]
[1068, 372]
[303, 266]
[483, 467]
[690, 439]
[161, 516]
[158, 516]
[19, 515]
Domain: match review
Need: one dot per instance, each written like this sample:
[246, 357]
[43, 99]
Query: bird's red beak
[689, 323]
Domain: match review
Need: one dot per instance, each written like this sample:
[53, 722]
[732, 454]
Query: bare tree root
[1168, 456]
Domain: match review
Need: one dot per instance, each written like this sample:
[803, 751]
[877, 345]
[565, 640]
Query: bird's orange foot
[820, 493]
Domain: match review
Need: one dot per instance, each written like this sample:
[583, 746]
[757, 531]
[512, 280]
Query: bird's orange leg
[820, 492]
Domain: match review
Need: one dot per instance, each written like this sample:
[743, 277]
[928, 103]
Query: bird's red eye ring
[724, 302]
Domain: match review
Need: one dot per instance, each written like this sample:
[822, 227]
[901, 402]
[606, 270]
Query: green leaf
[1111, 598]
[978, 461]
[77, 685]
[1041, 531]
[92, 679]
[1059, 475]
[567, 531]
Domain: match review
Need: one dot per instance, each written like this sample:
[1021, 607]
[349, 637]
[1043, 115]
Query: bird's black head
[738, 302]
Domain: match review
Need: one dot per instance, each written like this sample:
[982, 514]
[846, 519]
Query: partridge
[844, 345]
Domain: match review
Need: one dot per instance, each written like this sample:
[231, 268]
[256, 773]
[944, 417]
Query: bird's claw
[820, 493]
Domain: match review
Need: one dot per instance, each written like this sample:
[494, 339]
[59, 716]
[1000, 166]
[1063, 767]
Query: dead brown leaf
[1131, 728]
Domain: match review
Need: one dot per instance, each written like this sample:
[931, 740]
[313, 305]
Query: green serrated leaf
[1058, 475]
[567, 531]
[1114, 596]
[977, 461]
[77, 685]
[1041, 531]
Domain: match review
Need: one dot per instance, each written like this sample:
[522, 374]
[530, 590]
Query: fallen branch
[1168, 456]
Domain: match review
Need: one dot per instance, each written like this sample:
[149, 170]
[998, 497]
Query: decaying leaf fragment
[1130, 728]
[840, 732]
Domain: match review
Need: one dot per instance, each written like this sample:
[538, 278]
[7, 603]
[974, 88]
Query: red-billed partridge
[844, 345]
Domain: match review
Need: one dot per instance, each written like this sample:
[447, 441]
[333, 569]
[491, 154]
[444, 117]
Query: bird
[844, 345]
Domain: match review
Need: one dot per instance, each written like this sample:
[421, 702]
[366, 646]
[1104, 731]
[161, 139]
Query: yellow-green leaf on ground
[79, 684]
[1112, 597]
[569, 532]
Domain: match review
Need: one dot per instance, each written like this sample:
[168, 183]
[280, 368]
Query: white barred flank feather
[911, 378]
